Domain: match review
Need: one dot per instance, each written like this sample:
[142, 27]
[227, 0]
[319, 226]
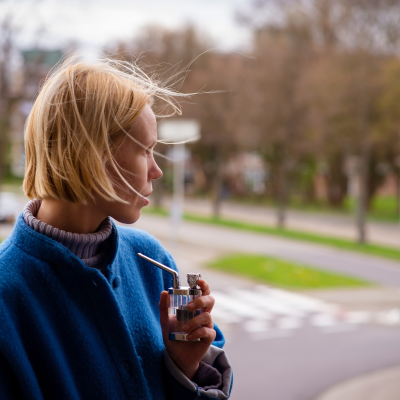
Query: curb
[378, 385]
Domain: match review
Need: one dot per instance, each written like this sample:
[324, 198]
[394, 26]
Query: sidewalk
[340, 226]
[380, 385]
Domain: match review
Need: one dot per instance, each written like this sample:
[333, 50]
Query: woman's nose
[155, 171]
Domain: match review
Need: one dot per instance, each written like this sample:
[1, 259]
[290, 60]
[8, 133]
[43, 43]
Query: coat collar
[42, 247]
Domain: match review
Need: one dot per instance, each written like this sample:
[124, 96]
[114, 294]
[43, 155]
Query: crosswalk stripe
[238, 307]
[323, 320]
[358, 317]
[272, 334]
[338, 328]
[255, 326]
[270, 304]
[299, 301]
[267, 313]
[289, 323]
[225, 316]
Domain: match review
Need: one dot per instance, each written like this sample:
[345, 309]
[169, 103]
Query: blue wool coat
[67, 331]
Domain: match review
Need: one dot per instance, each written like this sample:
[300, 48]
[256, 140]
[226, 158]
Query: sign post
[178, 132]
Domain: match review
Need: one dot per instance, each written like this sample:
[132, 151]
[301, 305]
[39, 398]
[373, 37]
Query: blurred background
[291, 196]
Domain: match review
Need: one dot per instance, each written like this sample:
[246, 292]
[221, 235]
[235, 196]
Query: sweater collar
[84, 246]
[44, 248]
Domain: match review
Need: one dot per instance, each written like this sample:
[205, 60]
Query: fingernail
[190, 307]
[186, 328]
[189, 336]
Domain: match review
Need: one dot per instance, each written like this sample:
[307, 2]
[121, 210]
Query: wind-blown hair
[80, 117]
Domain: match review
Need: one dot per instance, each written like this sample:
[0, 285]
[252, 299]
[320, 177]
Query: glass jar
[178, 313]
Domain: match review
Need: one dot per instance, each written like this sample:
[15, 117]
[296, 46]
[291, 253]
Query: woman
[81, 315]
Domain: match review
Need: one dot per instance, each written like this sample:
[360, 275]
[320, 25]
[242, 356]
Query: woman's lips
[145, 199]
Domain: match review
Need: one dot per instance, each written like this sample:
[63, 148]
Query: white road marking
[238, 307]
[219, 314]
[323, 320]
[391, 317]
[269, 303]
[255, 326]
[338, 328]
[289, 323]
[267, 313]
[357, 317]
[254, 300]
[272, 334]
[299, 301]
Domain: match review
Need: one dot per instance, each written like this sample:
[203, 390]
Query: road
[337, 225]
[227, 240]
[284, 347]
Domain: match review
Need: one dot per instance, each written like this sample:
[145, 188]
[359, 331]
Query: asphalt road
[301, 366]
[227, 240]
[330, 224]
[280, 355]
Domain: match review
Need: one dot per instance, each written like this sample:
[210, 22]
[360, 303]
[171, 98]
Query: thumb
[163, 307]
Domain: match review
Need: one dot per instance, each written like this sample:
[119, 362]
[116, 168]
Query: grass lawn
[383, 208]
[372, 249]
[283, 273]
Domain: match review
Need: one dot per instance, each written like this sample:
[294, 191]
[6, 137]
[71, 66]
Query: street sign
[179, 130]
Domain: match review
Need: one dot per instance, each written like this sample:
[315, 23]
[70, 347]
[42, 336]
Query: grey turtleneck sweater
[91, 248]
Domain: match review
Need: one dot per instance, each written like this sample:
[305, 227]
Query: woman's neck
[70, 217]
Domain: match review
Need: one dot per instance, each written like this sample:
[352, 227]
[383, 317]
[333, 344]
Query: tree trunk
[217, 188]
[362, 199]
[398, 195]
[282, 195]
[337, 181]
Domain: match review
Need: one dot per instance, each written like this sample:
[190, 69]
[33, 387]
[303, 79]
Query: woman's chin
[128, 217]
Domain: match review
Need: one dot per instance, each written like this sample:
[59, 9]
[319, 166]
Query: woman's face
[137, 165]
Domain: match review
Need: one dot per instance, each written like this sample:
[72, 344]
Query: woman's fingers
[205, 288]
[203, 302]
[163, 307]
[206, 335]
[204, 319]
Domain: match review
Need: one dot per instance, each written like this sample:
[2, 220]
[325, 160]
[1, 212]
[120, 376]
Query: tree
[221, 115]
[282, 53]
[338, 49]
[387, 128]
[371, 32]
[7, 97]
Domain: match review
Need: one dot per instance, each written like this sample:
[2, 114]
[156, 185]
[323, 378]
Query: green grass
[283, 273]
[343, 244]
[12, 180]
[384, 208]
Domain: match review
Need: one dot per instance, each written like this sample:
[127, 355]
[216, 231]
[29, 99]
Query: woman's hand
[187, 355]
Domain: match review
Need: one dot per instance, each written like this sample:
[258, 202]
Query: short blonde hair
[79, 119]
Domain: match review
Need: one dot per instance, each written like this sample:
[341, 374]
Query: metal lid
[193, 280]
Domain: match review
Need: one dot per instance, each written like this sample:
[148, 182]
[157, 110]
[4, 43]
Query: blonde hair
[79, 119]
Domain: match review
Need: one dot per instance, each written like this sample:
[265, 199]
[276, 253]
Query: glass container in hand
[178, 313]
[179, 298]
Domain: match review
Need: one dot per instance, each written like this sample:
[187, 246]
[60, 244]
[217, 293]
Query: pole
[178, 196]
